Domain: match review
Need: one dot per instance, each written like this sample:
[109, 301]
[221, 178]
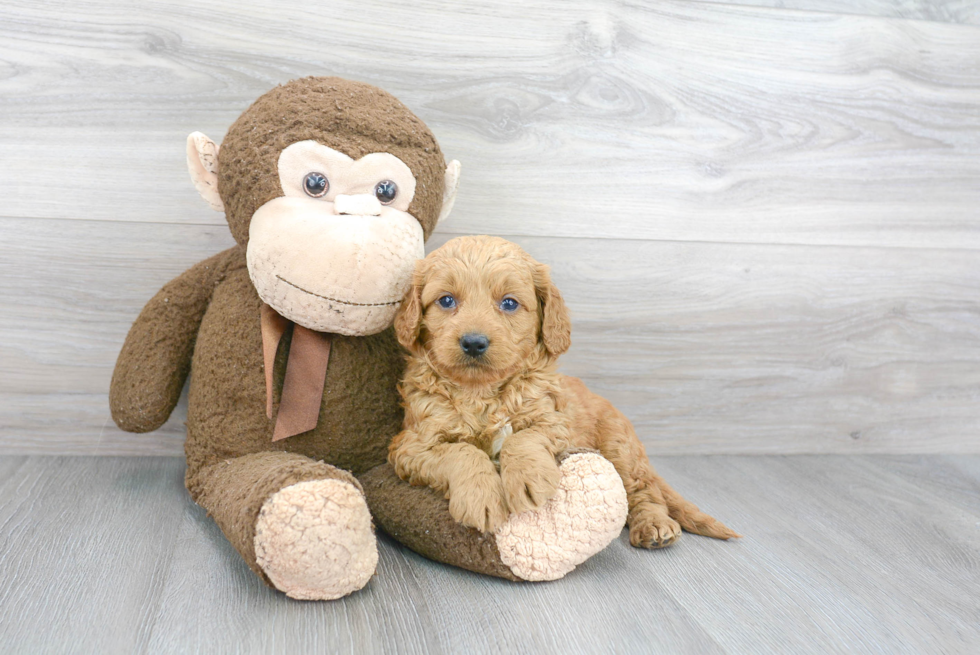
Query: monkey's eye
[447, 302]
[316, 185]
[509, 305]
[386, 190]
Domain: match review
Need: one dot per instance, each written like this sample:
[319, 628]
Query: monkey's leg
[303, 526]
[585, 514]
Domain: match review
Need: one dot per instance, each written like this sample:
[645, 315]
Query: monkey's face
[335, 253]
[331, 186]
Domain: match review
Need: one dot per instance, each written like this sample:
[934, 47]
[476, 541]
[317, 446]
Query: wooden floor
[841, 554]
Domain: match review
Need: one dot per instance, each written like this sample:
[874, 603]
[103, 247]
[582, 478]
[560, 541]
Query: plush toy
[330, 188]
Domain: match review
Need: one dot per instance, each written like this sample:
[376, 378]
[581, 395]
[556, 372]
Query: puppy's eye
[447, 302]
[316, 185]
[386, 191]
[509, 305]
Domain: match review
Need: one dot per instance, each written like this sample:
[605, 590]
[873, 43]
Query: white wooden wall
[764, 214]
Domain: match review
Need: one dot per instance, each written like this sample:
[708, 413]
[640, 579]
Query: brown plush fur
[418, 518]
[156, 358]
[351, 117]
[456, 405]
[207, 322]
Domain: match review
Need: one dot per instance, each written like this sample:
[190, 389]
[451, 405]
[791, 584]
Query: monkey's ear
[202, 162]
[556, 326]
[449, 195]
[408, 320]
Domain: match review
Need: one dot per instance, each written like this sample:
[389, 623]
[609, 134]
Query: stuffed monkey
[330, 188]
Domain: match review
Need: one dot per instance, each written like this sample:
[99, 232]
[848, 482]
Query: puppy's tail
[690, 517]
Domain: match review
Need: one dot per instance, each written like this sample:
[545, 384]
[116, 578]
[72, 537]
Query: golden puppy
[485, 326]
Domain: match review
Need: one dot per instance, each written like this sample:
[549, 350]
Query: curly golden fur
[505, 407]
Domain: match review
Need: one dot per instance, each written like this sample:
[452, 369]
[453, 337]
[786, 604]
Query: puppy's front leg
[528, 469]
[461, 471]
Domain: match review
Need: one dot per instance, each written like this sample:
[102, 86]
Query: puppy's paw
[654, 531]
[478, 503]
[530, 483]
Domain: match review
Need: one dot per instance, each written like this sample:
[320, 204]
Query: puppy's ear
[408, 320]
[556, 327]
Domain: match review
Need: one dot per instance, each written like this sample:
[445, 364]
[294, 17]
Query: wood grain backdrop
[766, 220]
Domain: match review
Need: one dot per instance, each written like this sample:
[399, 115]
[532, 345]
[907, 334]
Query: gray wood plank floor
[841, 554]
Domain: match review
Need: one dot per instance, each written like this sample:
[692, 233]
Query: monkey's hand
[156, 357]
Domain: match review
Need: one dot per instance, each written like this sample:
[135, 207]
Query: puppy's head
[479, 308]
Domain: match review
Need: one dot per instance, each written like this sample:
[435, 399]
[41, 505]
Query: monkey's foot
[315, 541]
[587, 512]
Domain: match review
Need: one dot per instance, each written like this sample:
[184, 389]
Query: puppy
[486, 412]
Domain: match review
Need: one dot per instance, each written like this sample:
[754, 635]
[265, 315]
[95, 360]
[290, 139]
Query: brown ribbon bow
[306, 372]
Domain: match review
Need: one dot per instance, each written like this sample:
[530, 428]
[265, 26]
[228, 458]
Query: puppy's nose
[474, 344]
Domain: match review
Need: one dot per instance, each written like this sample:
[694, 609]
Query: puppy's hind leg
[690, 517]
[656, 512]
[649, 520]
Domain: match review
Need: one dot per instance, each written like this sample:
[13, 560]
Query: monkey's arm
[156, 357]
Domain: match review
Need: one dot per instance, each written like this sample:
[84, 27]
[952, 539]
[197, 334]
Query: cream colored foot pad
[315, 541]
[588, 511]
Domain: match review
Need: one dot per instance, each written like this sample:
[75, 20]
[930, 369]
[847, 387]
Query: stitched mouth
[337, 300]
